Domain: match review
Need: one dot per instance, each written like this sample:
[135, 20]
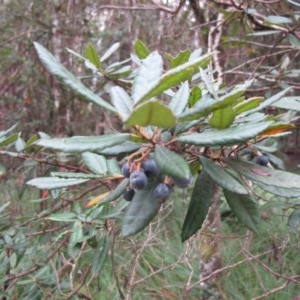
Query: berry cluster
[138, 180]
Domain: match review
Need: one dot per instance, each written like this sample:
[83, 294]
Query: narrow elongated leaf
[75, 175]
[54, 182]
[222, 118]
[112, 49]
[221, 177]
[95, 162]
[152, 113]
[180, 99]
[208, 104]
[294, 41]
[171, 163]
[148, 75]
[173, 77]
[62, 217]
[291, 103]
[141, 49]
[100, 255]
[264, 175]
[9, 140]
[247, 105]
[68, 79]
[180, 59]
[121, 101]
[76, 239]
[92, 55]
[117, 192]
[142, 209]
[196, 94]
[229, 136]
[280, 191]
[198, 206]
[126, 147]
[84, 143]
[268, 101]
[5, 133]
[244, 208]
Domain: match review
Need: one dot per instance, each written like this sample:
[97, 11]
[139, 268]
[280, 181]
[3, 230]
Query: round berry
[150, 168]
[263, 160]
[183, 182]
[128, 194]
[138, 180]
[125, 170]
[162, 192]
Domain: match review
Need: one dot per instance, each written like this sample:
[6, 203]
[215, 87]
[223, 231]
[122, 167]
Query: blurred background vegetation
[253, 39]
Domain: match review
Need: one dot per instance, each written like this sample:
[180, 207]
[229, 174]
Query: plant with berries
[181, 129]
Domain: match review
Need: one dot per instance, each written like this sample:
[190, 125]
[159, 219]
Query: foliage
[182, 111]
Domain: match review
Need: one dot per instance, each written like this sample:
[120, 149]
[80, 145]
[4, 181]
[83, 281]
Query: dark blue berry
[128, 194]
[126, 170]
[263, 160]
[150, 168]
[138, 180]
[162, 192]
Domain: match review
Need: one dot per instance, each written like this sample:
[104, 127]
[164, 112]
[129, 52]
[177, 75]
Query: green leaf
[198, 206]
[294, 221]
[207, 104]
[221, 177]
[180, 59]
[141, 49]
[84, 143]
[54, 182]
[290, 103]
[75, 239]
[121, 101]
[172, 78]
[126, 147]
[278, 20]
[148, 76]
[171, 163]
[151, 113]
[244, 208]
[180, 99]
[5, 133]
[62, 217]
[264, 175]
[100, 255]
[142, 209]
[95, 162]
[92, 55]
[75, 175]
[230, 136]
[117, 192]
[222, 118]
[280, 191]
[293, 40]
[247, 105]
[9, 140]
[68, 79]
[268, 101]
[196, 94]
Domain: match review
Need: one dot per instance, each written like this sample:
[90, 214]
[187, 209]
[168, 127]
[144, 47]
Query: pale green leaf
[54, 182]
[58, 70]
[230, 136]
[121, 101]
[180, 59]
[95, 162]
[100, 255]
[84, 143]
[92, 55]
[112, 49]
[173, 77]
[62, 217]
[180, 99]
[148, 76]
